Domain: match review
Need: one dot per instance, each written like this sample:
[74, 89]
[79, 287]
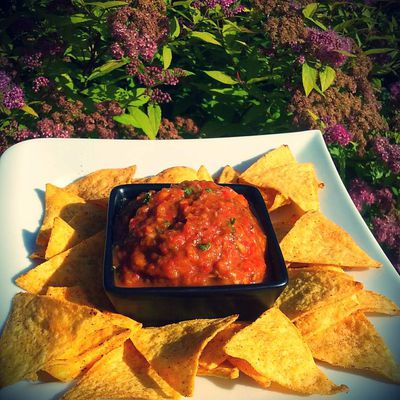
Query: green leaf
[154, 113]
[106, 68]
[309, 78]
[30, 110]
[167, 56]
[126, 119]
[143, 122]
[221, 77]
[79, 18]
[309, 10]
[327, 77]
[378, 51]
[175, 28]
[107, 4]
[206, 37]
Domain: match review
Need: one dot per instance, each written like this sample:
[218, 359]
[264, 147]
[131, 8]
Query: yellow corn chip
[228, 175]
[222, 371]
[174, 350]
[273, 199]
[203, 174]
[58, 203]
[354, 343]
[314, 239]
[310, 290]
[247, 369]
[62, 237]
[284, 218]
[296, 182]
[41, 329]
[98, 184]
[121, 374]
[372, 302]
[323, 317]
[274, 158]
[74, 294]
[320, 267]
[213, 354]
[174, 175]
[275, 349]
[79, 266]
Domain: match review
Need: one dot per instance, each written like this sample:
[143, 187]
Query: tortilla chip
[222, 371]
[41, 329]
[228, 175]
[62, 237]
[324, 317]
[273, 199]
[296, 182]
[58, 203]
[275, 349]
[73, 294]
[320, 267]
[174, 350]
[284, 218]
[372, 302]
[247, 369]
[98, 184]
[213, 354]
[79, 266]
[310, 290]
[274, 158]
[121, 374]
[354, 343]
[174, 175]
[314, 239]
[66, 370]
[203, 174]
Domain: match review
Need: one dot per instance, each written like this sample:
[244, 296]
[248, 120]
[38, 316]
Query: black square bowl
[161, 305]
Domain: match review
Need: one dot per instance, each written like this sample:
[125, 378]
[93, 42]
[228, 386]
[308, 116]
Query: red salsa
[192, 234]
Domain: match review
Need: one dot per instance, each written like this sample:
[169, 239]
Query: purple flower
[229, 7]
[361, 193]
[301, 59]
[39, 83]
[337, 133]
[13, 97]
[327, 46]
[5, 81]
[389, 153]
[116, 51]
[387, 230]
[24, 134]
[395, 91]
[384, 198]
[32, 61]
[47, 128]
[159, 96]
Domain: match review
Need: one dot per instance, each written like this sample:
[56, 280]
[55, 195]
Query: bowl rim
[253, 195]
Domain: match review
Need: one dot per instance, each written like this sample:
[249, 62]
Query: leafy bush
[180, 69]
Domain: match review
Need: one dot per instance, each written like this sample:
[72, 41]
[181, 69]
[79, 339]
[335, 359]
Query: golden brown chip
[274, 158]
[213, 354]
[58, 203]
[66, 370]
[174, 350]
[79, 266]
[284, 218]
[247, 369]
[354, 343]
[41, 329]
[74, 294]
[296, 182]
[203, 174]
[98, 184]
[372, 302]
[320, 267]
[174, 175]
[62, 237]
[314, 239]
[222, 371]
[121, 374]
[310, 290]
[275, 349]
[323, 317]
[228, 175]
[273, 199]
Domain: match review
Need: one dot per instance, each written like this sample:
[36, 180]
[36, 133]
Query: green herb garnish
[147, 198]
[209, 190]
[232, 221]
[204, 246]
[188, 191]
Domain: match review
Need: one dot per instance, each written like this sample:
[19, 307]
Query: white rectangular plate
[28, 166]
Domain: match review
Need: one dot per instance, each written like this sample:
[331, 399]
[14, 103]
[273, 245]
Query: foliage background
[210, 68]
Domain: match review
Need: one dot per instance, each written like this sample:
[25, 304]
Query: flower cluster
[361, 193]
[337, 134]
[175, 129]
[13, 95]
[387, 230]
[228, 7]
[328, 46]
[39, 83]
[138, 31]
[387, 152]
[394, 89]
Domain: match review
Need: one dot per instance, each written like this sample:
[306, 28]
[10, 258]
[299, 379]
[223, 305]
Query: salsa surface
[193, 234]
